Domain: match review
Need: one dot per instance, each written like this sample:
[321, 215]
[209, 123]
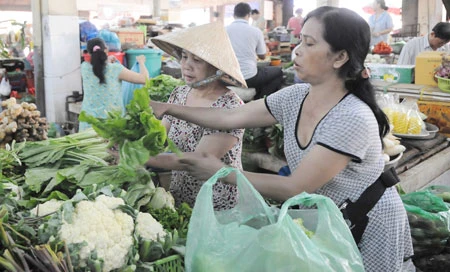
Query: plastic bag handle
[225, 171]
[309, 200]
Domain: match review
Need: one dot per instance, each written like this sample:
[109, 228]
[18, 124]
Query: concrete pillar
[429, 14]
[57, 46]
[38, 56]
[287, 12]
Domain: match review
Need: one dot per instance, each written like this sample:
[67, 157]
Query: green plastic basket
[443, 84]
[172, 263]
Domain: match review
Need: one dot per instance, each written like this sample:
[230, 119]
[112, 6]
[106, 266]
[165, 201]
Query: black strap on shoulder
[355, 213]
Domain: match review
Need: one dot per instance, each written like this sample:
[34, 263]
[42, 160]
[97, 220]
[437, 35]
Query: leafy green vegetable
[138, 133]
[160, 87]
[174, 220]
[68, 149]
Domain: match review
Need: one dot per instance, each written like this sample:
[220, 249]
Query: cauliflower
[104, 229]
[148, 228]
[47, 208]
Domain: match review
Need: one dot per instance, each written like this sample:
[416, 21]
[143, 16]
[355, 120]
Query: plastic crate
[169, 264]
[443, 84]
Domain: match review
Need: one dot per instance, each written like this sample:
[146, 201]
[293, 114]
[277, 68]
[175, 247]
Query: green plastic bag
[426, 200]
[429, 220]
[441, 191]
[255, 237]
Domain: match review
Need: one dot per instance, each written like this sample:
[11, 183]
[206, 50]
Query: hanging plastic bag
[255, 237]
[128, 87]
[5, 88]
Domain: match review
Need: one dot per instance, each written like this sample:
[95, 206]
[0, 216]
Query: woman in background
[380, 23]
[102, 76]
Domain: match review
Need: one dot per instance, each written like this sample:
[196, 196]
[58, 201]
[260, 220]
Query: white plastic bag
[5, 88]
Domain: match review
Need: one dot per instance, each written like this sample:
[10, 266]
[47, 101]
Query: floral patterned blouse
[100, 98]
[187, 136]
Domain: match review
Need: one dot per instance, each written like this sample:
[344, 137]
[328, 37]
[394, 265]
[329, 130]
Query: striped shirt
[412, 48]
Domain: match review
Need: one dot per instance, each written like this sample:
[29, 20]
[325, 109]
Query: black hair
[346, 30]
[382, 4]
[255, 11]
[98, 57]
[242, 9]
[442, 30]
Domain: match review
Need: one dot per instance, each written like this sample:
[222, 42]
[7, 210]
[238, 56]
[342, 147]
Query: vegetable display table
[421, 163]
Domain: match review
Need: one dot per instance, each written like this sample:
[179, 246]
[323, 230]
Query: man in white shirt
[437, 40]
[257, 20]
[248, 44]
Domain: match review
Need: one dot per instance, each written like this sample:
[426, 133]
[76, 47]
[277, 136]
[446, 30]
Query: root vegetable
[388, 143]
[15, 110]
[395, 150]
[21, 122]
[11, 127]
[386, 158]
[32, 107]
[25, 113]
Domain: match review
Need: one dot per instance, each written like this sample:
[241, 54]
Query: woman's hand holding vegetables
[202, 166]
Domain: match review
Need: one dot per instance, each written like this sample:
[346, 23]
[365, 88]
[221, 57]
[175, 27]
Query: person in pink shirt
[295, 23]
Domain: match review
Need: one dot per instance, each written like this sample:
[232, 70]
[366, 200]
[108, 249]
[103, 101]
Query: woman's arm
[217, 145]
[134, 77]
[313, 172]
[382, 32]
[252, 114]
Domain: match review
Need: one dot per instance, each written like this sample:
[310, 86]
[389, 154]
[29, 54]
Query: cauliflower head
[104, 229]
[148, 228]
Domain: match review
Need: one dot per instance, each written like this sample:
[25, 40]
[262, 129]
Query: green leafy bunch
[138, 133]
[160, 87]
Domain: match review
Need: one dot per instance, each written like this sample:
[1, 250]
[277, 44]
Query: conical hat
[209, 42]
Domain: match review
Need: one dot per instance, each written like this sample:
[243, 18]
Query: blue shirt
[98, 98]
[383, 22]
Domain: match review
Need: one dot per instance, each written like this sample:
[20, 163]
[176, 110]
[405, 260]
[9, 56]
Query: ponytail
[363, 89]
[98, 61]
[96, 47]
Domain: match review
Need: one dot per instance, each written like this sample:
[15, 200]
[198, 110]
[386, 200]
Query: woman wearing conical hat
[208, 66]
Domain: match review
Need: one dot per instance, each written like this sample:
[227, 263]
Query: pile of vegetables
[160, 87]
[85, 233]
[382, 48]
[392, 147]
[21, 122]
[138, 133]
[444, 69]
[374, 58]
[66, 206]
[429, 219]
